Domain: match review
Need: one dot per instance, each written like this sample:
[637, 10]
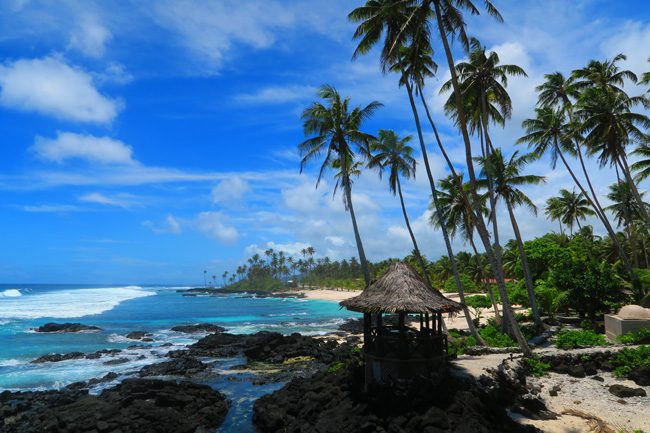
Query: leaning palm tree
[457, 213]
[550, 132]
[334, 128]
[573, 207]
[610, 127]
[508, 178]
[393, 153]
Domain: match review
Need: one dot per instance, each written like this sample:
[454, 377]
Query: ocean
[119, 310]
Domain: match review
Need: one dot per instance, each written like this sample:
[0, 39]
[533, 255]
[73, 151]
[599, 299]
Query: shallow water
[155, 309]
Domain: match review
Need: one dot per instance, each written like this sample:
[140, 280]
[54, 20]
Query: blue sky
[143, 142]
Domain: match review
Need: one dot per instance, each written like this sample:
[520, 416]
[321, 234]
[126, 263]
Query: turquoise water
[155, 309]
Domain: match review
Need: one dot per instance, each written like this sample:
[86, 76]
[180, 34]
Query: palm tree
[604, 75]
[335, 128]
[457, 213]
[610, 126]
[626, 212]
[508, 178]
[572, 207]
[413, 67]
[553, 211]
[394, 154]
[642, 166]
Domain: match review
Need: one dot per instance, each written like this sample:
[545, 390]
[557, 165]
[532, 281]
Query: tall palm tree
[457, 213]
[573, 207]
[550, 132]
[508, 178]
[645, 78]
[334, 127]
[395, 155]
[610, 126]
[413, 65]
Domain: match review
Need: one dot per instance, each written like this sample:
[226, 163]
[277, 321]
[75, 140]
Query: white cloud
[51, 87]
[210, 29]
[90, 37]
[278, 94]
[119, 200]
[48, 208]
[171, 225]
[213, 225]
[291, 248]
[230, 191]
[68, 145]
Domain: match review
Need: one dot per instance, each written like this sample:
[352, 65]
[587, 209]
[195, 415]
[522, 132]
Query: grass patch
[298, 359]
[629, 359]
[579, 338]
[537, 367]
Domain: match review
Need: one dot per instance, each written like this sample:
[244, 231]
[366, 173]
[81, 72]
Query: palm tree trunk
[635, 191]
[495, 261]
[357, 236]
[595, 204]
[443, 224]
[488, 288]
[524, 264]
[425, 273]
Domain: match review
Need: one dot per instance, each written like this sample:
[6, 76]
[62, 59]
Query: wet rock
[201, 327]
[65, 327]
[598, 378]
[116, 361]
[136, 405]
[139, 335]
[625, 391]
[576, 371]
[185, 366]
[58, 357]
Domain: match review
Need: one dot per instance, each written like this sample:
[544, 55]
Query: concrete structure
[631, 318]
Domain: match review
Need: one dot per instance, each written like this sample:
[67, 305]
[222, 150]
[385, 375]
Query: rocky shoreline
[323, 390]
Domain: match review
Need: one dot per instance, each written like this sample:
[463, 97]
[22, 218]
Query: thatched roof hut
[400, 290]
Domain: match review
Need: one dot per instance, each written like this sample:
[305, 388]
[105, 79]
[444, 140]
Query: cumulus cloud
[213, 224]
[68, 145]
[90, 37]
[230, 191]
[291, 248]
[52, 87]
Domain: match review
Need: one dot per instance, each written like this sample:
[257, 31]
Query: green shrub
[581, 338]
[478, 303]
[640, 337]
[493, 337]
[645, 302]
[335, 366]
[537, 367]
[630, 358]
[457, 344]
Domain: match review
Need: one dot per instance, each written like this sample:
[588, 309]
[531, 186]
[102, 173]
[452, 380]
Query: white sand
[329, 294]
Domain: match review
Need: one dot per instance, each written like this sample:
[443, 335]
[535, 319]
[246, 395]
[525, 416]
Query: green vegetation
[640, 337]
[493, 337]
[579, 338]
[335, 366]
[458, 343]
[537, 367]
[629, 358]
[478, 303]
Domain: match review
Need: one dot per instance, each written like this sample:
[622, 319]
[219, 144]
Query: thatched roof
[400, 290]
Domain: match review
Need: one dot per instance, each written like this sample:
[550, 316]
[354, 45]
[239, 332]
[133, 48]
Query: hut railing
[389, 342]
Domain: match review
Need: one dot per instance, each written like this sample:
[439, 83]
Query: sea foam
[10, 293]
[68, 303]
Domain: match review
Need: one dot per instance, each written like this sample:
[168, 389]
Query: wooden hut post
[367, 326]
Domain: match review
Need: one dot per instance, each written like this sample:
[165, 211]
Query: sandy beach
[329, 294]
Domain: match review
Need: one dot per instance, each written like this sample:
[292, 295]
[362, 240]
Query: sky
[146, 141]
